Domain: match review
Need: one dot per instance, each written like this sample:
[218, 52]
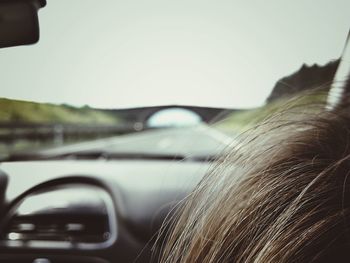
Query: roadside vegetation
[30, 125]
[242, 120]
[32, 112]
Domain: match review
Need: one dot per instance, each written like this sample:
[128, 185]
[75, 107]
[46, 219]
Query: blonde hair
[280, 195]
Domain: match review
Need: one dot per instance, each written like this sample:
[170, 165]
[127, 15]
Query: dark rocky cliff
[306, 78]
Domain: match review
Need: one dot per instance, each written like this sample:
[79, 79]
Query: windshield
[178, 72]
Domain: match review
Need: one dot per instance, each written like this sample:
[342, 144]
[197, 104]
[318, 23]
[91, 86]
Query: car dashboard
[89, 211]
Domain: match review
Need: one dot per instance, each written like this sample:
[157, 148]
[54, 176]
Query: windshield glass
[178, 71]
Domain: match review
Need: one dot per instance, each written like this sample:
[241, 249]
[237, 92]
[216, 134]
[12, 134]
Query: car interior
[102, 200]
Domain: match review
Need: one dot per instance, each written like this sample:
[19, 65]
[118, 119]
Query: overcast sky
[226, 53]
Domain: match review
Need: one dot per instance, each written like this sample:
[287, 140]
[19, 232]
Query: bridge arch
[174, 117]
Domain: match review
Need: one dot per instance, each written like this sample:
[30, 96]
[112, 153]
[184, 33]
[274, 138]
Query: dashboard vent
[57, 227]
[74, 214]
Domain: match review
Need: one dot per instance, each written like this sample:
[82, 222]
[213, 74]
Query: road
[192, 141]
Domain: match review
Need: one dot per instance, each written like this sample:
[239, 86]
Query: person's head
[280, 195]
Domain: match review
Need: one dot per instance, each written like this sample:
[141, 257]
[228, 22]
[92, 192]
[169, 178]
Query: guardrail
[58, 133]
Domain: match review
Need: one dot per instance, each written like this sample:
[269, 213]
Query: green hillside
[24, 111]
[242, 120]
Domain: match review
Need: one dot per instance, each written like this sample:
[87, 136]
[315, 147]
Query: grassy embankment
[24, 112]
[240, 121]
[32, 112]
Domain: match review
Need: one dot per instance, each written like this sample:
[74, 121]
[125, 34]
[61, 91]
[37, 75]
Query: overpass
[142, 114]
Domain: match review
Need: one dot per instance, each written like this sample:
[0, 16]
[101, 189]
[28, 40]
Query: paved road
[186, 141]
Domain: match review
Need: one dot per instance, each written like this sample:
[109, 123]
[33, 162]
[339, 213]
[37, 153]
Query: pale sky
[222, 53]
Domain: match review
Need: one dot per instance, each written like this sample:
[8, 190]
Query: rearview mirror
[19, 24]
